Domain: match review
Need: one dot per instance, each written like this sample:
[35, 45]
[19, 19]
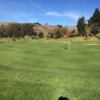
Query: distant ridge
[45, 28]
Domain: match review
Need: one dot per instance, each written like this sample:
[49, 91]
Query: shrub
[50, 35]
[57, 35]
[40, 35]
[13, 39]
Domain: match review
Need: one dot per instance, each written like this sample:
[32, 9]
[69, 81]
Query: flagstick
[68, 49]
[69, 46]
[68, 37]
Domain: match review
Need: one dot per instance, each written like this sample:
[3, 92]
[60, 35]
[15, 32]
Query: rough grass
[39, 70]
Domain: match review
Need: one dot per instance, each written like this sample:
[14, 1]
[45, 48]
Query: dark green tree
[95, 21]
[16, 30]
[40, 35]
[27, 29]
[3, 31]
[81, 26]
[95, 18]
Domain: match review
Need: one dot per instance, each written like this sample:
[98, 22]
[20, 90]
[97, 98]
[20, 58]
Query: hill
[46, 28]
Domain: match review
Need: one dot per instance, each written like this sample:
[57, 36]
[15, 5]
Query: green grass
[39, 70]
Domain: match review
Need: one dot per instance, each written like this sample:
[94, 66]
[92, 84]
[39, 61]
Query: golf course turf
[39, 70]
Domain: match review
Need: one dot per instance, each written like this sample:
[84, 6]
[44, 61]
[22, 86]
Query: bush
[13, 39]
[3, 31]
[57, 35]
[40, 35]
[57, 32]
[50, 35]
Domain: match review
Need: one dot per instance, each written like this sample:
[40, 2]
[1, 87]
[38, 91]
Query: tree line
[91, 26]
[16, 30]
[20, 30]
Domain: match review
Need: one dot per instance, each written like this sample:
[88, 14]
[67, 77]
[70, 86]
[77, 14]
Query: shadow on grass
[63, 98]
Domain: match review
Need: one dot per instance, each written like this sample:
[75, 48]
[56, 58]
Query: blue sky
[64, 12]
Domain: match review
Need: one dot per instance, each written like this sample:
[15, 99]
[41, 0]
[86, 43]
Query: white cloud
[55, 14]
[73, 15]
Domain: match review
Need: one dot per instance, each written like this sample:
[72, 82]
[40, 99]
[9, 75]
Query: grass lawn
[40, 70]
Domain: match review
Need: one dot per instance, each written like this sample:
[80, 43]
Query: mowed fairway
[39, 70]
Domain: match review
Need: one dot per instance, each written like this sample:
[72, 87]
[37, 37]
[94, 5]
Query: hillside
[46, 28]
